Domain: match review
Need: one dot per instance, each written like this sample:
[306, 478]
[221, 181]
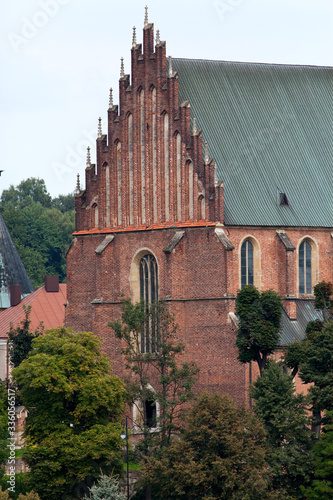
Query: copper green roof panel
[269, 128]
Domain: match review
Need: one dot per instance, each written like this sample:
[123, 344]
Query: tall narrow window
[247, 268]
[154, 147]
[130, 168]
[190, 189]
[166, 165]
[119, 182]
[179, 177]
[305, 268]
[149, 292]
[143, 163]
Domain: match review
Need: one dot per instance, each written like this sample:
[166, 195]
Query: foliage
[4, 495]
[259, 316]
[107, 488]
[173, 381]
[221, 455]
[20, 339]
[322, 484]
[29, 496]
[40, 227]
[323, 292]
[283, 414]
[75, 405]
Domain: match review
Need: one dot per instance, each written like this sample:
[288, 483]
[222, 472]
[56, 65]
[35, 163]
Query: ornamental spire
[134, 38]
[146, 16]
[158, 37]
[99, 127]
[170, 67]
[78, 184]
[88, 162]
[111, 98]
[122, 71]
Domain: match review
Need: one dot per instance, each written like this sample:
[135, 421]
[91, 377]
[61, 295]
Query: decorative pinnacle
[88, 162]
[78, 189]
[194, 126]
[158, 37]
[146, 16]
[111, 98]
[206, 153]
[134, 38]
[99, 127]
[170, 67]
[122, 71]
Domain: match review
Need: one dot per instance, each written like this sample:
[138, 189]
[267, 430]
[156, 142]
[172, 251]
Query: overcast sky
[60, 57]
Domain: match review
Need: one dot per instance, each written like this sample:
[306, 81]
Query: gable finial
[170, 67]
[88, 162]
[122, 71]
[158, 37]
[134, 38]
[78, 189]
[206, 153]
[146, 16]
[99, 127]
[111, 98]
[194, 126]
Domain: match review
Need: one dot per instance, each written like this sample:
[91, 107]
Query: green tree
[322, 484]
[106, 488]
[284, 416]
[75, 406]
[259, 316]
[221, 455]
[40, 227]
[29, 496]
[173, 381]
[30, 191]
[20, 338]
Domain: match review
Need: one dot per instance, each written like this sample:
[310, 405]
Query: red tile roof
[144, 227]
[48, 307]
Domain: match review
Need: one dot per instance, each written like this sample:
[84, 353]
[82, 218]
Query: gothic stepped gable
[150, 167]
[12, 271]
[211, 176]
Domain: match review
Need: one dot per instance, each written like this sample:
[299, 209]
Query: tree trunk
[148, 492]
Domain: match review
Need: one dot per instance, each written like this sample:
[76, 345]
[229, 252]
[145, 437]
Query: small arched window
[149, 293]
[305, 268]
[247, 264]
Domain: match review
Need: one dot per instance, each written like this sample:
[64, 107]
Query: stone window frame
[314, 264]
[256, 260]
[137, 413]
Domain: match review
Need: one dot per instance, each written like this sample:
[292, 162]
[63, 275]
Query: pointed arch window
[149, 293]
[305, 268]
[247, 264]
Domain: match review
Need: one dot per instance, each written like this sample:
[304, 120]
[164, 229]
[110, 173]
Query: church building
[211, 175]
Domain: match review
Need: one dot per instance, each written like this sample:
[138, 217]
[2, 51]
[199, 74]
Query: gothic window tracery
[149, 293]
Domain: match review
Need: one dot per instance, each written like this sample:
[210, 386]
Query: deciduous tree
[259, 316]
[283, 413]
[75, 406]
[221, 455]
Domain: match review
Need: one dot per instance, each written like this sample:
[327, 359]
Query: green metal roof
[292, 331]
[269, 128]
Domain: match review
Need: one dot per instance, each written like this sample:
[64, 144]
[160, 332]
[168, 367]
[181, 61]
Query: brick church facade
[211, 175]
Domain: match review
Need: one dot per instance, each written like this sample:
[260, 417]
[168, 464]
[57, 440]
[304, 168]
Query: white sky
[60, 57]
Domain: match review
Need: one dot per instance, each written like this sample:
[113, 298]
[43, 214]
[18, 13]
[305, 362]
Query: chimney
[15, 295]
[52, 283]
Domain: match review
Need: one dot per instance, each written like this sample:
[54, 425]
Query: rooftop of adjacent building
[47, 307]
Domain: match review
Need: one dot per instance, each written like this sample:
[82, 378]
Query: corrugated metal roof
[269, 129]
[293, 331]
